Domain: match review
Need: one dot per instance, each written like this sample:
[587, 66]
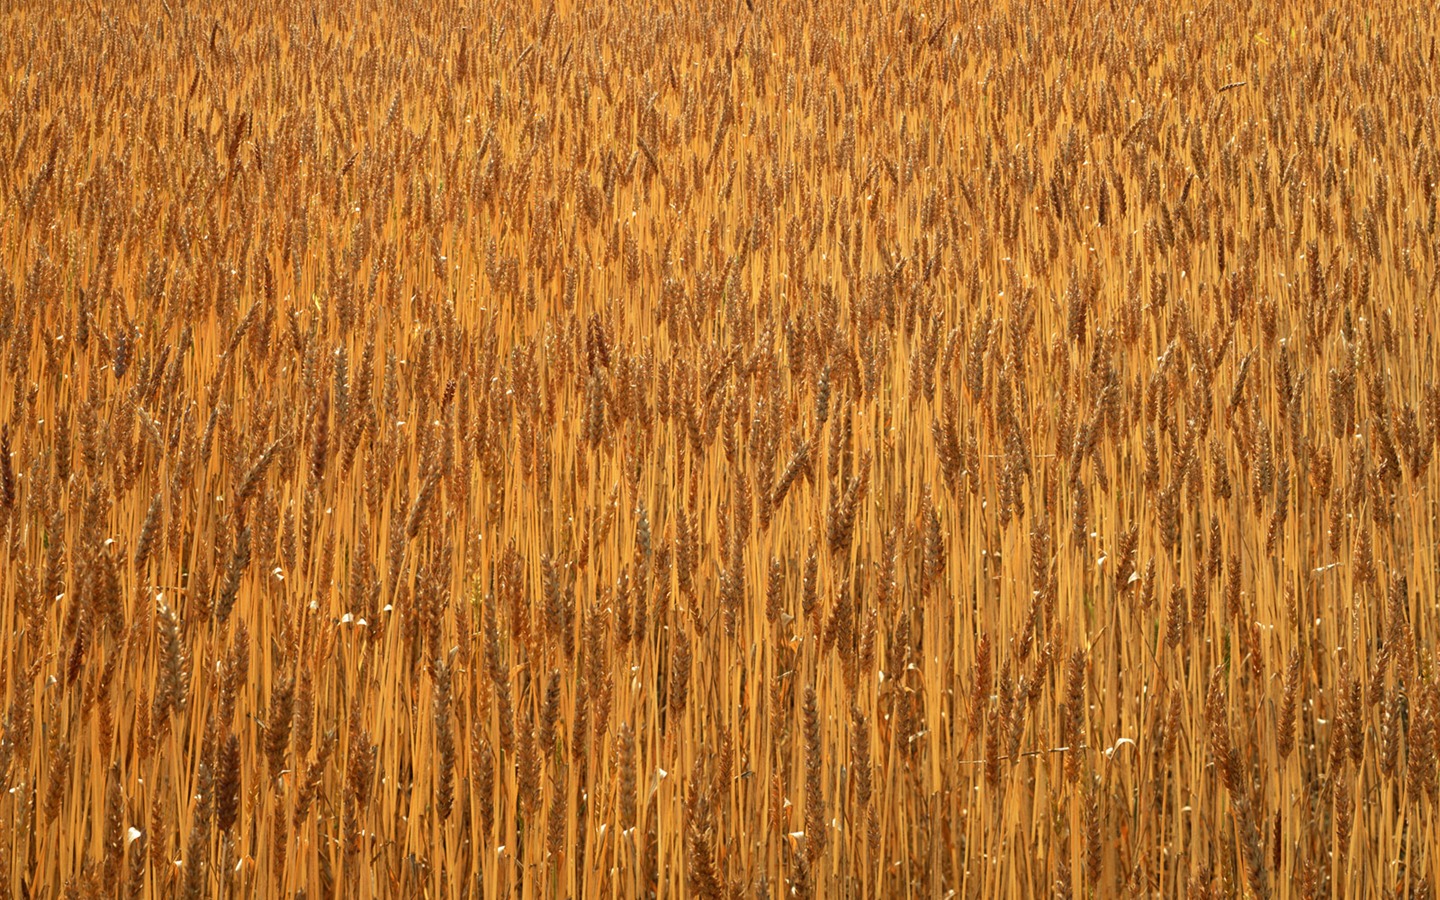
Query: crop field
[719, 449]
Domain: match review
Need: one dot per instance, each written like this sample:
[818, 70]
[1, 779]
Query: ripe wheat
[739, 449]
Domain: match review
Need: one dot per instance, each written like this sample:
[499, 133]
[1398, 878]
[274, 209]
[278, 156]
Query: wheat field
[742, 449]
